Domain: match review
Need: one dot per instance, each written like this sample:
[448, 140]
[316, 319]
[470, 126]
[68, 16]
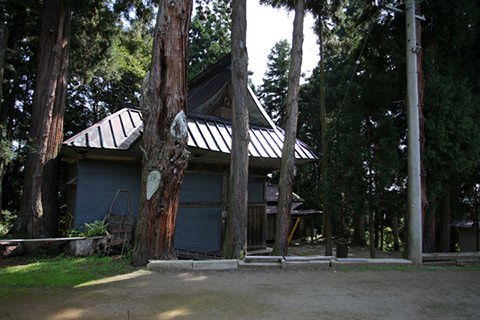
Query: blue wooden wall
[97, 183]
[197, 229]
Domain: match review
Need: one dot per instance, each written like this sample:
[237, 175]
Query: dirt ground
[258, 294]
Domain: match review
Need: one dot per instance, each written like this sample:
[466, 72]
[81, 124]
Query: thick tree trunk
[3, 111]
[327, 219]
[444, 230]
[287, 167]
[165, 136]
[236, 233]
[47, 121]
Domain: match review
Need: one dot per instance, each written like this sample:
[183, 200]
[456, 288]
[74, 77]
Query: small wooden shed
[467, 234]
[299, 211]
[107, 157]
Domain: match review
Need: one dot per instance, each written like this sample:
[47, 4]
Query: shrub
[96, 228]
[7, 219]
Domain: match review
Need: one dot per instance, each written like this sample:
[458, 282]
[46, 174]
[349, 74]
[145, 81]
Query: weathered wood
[38, 212]
[256, 226]
[163, 104]
[236, 233]
[200, 205]
[287, 169]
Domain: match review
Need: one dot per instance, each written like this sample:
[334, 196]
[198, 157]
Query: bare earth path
[279, 294]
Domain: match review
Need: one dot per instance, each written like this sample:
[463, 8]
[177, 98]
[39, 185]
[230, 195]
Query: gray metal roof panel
[120, 130]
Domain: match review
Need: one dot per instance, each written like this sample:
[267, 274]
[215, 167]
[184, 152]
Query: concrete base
[87, 247]
[170, 265]
[230, 264]
[309, 258]
[288, 263]
[259, 265]
[370, 262]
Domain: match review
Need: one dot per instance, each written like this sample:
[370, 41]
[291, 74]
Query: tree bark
[475, 218]
[38, 217]
[371, 231]
[444, 231]
[237, 212]
[327, 219]
[3, 111]
[358, 230]
[287, 167]
[429, 226]
[165, 136]
[371, 217]
[377, 230]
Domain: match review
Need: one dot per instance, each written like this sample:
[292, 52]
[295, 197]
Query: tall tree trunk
[421, 117]
[371, 217]
[382, 230]
[47, 119]
[287, 167]
[429, 227]
[444, 231]
[358, 229]
[377, 229]
[475, 218]
[371, 231]
[163, 104]
[236, 233]
[327, 219]
[3, 110]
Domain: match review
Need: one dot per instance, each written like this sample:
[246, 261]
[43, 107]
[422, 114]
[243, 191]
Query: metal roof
[120, 130]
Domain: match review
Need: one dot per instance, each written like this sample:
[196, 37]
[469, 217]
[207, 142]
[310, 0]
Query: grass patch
[61, 271]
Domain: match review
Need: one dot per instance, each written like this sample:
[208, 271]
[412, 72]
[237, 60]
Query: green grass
[61, 271]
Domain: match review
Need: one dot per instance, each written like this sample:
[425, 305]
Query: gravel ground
[258, 294]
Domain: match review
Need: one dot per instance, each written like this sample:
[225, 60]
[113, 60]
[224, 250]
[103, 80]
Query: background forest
[362, 72]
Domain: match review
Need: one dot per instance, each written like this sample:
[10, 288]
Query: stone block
[170, 265]
[228, 264]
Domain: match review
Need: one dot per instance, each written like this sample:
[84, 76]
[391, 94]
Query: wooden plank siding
[256, 226]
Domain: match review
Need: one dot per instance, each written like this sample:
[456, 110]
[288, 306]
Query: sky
[266, 26]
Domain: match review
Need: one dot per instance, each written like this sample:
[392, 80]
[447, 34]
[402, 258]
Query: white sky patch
[266, 26]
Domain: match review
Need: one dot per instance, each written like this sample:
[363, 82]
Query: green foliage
[61, 271]
[210, 34]
[96, 228]
[72, 233]
[7, 219]
[6, 152]
[273, 91]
